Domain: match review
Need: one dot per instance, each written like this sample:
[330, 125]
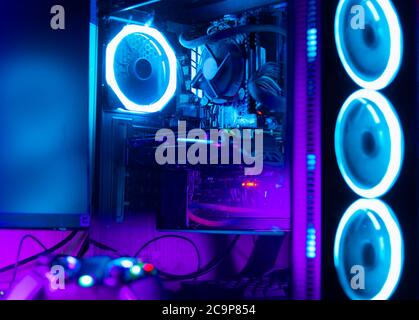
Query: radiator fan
[369, 144]
[141, 69]
[221, 71]
[369, 251]
[369, 40]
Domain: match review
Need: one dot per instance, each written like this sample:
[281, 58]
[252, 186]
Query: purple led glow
[306, 264]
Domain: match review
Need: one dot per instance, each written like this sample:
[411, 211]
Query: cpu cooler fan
[141, 69]
[221, 71]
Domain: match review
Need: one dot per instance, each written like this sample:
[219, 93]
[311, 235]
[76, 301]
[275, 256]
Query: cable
[84, 248]
[19, 251]
[213, 263]
[177, 277]
[209, 267]
[198, 255]
[104, 247]
[36, 256]
[227, 33]
[206, 222]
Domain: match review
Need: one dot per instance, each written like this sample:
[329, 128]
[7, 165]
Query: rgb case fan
[372, 168]
[368, 239]
[370, 50]
[141, 69]
[369, 144]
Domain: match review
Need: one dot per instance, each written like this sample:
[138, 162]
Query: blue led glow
[93, 50]
[189, 140]
[395, 147]
[311, 251]
[353, 233]
[126, 263]
[360, 51]
[311, 44]
[373, 10]
[110, 68]
[86, 281]
[311, 162]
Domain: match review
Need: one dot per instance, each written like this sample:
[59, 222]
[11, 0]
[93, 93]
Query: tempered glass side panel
[44, 114]
[232, 74]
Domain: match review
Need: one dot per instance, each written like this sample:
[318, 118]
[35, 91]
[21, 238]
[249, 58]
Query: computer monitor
[45, 114]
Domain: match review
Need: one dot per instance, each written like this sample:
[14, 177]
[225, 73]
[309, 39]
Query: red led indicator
[148, 267]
